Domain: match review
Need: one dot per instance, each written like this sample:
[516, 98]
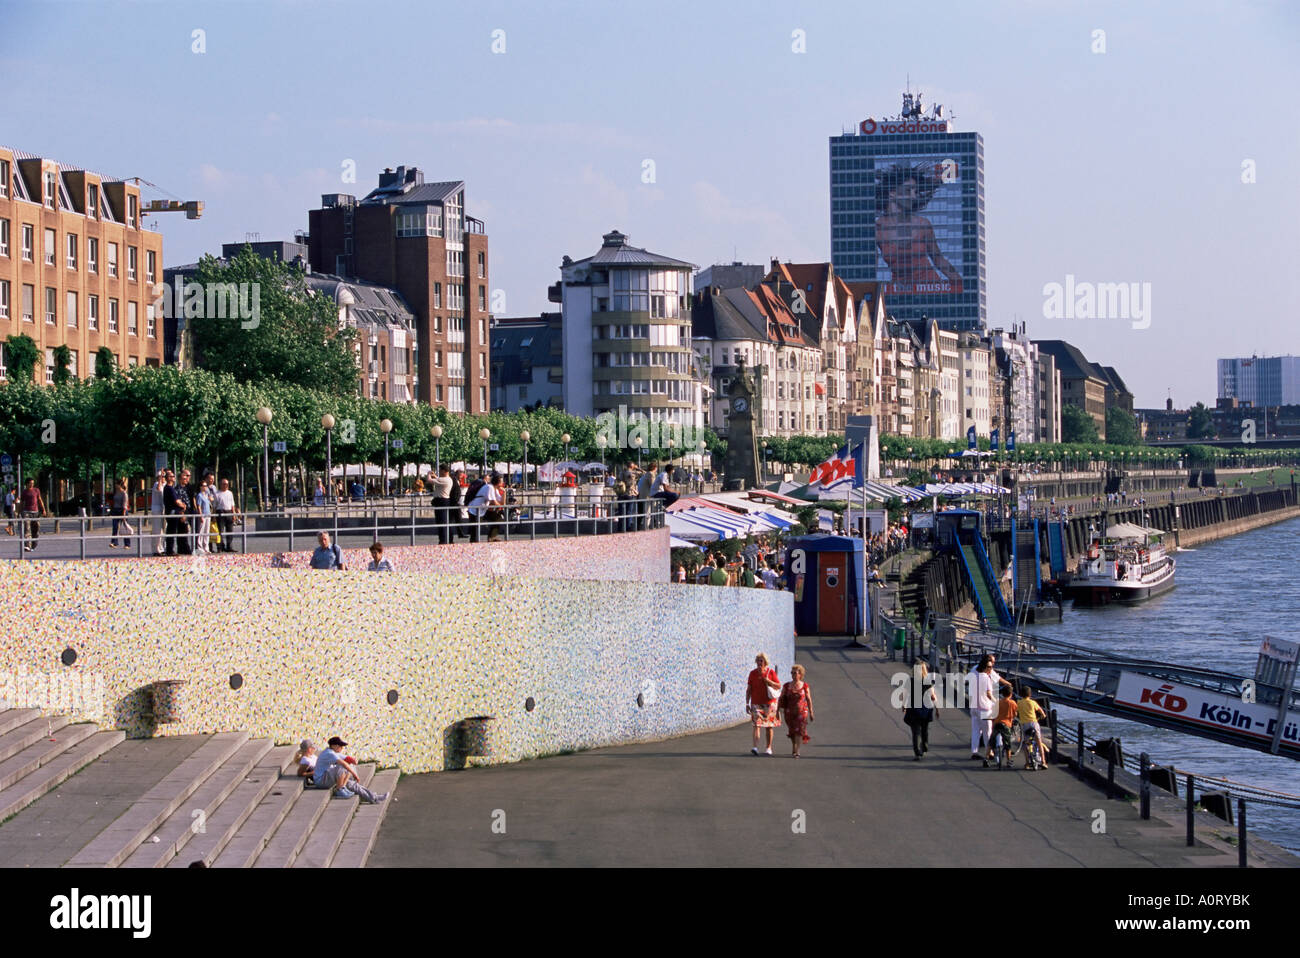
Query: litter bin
[168, 701]
[477, 739]
[900, 638]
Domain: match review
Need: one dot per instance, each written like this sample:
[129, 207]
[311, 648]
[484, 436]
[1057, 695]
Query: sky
[1163, 150]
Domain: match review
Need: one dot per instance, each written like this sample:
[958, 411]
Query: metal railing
[290, 530]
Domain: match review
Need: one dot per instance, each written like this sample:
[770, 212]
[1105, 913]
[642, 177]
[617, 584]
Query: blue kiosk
[825, 573]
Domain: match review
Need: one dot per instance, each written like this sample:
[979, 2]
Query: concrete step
[330, 827]
[112, 846]
[364, 827]
[79, 746]
[181, 825]
[283, 846]
[49, 748]
[223, 824]
[253, 834]
[29, 733]
[12, 718]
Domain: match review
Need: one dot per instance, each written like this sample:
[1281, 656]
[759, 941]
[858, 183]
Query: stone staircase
[222, 800]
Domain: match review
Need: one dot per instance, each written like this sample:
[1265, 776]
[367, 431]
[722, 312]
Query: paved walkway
[704, 800]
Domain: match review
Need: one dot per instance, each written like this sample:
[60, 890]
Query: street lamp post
[565, 439]
[485, 433]
[670, 443]
[327, 422]
[701, 446]
[524, 435]
[386, 426]
[602, 441]
[264, 417]
[436, 433]
[636, 441]
[766, 470]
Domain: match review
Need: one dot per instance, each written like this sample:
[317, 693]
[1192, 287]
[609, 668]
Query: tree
[258, 320]
[1200, 424]
[1121, 428]
[62, 360]
[24, 354]
[105, 363]
[1077, 425]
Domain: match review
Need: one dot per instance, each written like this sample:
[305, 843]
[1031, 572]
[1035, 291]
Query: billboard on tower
[918, 224]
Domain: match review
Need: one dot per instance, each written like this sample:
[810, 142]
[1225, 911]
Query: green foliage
[105, 363]
[1077, 426]
[294, 338]
[1121, 428]
[1200, 424]
[24, 354]
[62, 360]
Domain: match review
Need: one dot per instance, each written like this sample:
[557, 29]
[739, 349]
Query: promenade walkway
[704, 800]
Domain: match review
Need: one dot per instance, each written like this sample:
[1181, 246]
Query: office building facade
[1260, 380]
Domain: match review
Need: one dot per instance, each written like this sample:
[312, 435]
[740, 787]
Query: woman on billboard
[905, 238]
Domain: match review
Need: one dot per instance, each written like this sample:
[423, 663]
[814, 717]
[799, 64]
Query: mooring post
[1241, 833]
[1144, 771]
[1079, 762]
[1191, 810]
[1051, 721]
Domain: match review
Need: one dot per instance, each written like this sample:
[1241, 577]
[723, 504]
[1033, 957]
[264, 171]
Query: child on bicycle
[1029, 713]
[1002, 722]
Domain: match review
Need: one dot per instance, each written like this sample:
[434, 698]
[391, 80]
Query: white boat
[1128, 564]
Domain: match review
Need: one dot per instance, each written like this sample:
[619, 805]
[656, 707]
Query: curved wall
[318, 653]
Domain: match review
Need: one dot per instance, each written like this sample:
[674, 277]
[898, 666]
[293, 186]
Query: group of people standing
[186, 517]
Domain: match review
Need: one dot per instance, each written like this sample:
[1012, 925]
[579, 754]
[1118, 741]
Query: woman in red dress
[796, 703]
[761, 695]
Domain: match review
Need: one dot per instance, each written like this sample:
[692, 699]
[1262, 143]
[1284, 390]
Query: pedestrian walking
[920, 709]
[326, 555]
[762, 693]
[223, 506]
[797, 706]
[157, 508]
[377, 561]
[981, 695]
[121, 508]
[203, 511]
[33, 507]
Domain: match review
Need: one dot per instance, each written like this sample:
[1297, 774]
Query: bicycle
[1033, 754]
[1006, 745]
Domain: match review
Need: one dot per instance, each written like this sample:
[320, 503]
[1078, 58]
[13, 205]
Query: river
[1229, 594]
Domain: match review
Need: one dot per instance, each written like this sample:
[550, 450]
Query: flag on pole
[845, 469]
[970, 438]
[994, 436]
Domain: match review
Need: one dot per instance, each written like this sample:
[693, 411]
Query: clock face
[739, 405]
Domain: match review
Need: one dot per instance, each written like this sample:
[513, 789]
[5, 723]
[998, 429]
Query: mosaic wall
[388, 662]
[634, 556]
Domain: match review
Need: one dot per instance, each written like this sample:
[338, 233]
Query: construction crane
[192, 209]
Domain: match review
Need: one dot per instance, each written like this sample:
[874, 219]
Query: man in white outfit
[156, 512]
[982, 692]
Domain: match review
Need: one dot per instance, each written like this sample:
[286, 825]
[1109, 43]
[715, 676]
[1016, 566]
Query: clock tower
[742, 441]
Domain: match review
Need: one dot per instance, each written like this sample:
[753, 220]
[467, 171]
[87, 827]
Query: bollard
[1241, 833]
[1110, 768]
[1079, 758]
[1144, 771]
[1191, 810]
[1051, 723]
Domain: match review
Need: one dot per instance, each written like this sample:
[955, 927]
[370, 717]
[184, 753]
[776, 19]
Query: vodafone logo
[869, 126]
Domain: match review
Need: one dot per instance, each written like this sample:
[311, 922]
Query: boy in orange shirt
[1002, 723]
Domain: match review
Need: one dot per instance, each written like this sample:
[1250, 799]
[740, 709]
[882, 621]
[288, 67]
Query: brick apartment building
[416, 237]
[77, 267]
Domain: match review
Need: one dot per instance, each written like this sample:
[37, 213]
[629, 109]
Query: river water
[1229, 594]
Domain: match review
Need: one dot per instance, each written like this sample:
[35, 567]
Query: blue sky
[1122, 166]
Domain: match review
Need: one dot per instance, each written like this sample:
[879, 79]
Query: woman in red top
[761, 696]
[796, 703]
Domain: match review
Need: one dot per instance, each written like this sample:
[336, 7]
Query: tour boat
[1129, 564]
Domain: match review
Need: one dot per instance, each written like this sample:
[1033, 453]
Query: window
[437, 324]
[92, 312]
[151, 323]
[72, 250]
[523, 392]
[437, 295]
[49, 366]
[482, 298]
[112, 260]
[4, 237]
[112, 315]
[29, 303]
[92, 254]
[437, 393]
[132, 259]
[4, 178]
[50, 240]
[51, 190]
[455, 262]
[132, 319]
[482, 398]
[151, 265]
[132, 362]
[482, 364]
[71, 310]
[455, 297]
[482, 332]
[29, 240]
[51, 305]
[437, 358]
[482, 265]
[4, 299]
[132, 210]
[72, 364]
[92, 201]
